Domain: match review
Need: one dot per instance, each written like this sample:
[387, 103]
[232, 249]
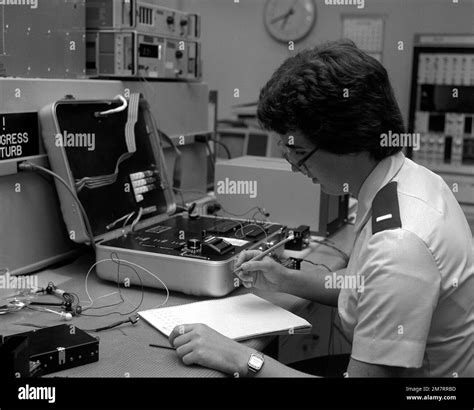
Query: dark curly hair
[307, 95]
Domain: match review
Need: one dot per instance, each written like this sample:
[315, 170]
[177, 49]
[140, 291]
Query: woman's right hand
[265, 274]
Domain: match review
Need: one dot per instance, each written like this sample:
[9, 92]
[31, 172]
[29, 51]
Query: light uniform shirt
[415, 306]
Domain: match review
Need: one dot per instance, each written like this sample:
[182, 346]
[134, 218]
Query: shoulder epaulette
[385, 209]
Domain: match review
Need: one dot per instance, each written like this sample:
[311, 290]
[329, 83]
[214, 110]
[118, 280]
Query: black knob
[194, 245]
[183, 23]
[170, 20]
[179, 54]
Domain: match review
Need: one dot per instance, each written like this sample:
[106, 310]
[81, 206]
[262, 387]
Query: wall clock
[289, 20]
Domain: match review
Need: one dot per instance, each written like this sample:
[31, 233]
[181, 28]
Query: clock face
[289, 20]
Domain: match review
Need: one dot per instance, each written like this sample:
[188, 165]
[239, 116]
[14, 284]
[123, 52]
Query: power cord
[130, 264]
[329, 245]
[131, 319]
[317, 264]
[137, 219]
[204, 139]
[29, 166]
[244, 235]
[114, 258]
[213, 158]
[259, 209]
[226, 148]
[125, 218]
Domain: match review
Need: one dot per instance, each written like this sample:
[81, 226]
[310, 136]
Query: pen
[161, 346]
[266, 252]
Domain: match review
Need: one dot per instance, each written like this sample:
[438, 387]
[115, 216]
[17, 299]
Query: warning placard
[19, 136]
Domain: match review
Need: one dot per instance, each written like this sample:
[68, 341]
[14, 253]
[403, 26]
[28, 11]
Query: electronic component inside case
[200, 263]
[132, 211]
[302, 237]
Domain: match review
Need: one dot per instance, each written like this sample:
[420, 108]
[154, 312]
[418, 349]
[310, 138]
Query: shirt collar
[381, 175]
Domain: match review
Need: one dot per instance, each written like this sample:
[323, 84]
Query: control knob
[194, 246]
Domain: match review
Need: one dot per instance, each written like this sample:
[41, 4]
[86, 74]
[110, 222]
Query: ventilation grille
[145, 15]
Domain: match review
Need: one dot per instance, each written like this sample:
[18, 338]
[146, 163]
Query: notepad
[237, 317]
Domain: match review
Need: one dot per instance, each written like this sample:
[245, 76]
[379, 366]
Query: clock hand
[285, 21]
[282, 17]
[291, 11]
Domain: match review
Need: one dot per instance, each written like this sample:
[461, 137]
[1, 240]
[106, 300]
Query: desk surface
[125, 351]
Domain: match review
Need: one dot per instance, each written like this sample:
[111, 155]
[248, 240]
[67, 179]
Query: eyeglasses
[287, 152]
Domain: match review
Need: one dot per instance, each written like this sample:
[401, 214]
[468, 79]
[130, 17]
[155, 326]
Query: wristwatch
[255, 363]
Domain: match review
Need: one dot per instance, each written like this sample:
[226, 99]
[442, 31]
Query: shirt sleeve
[395, 305]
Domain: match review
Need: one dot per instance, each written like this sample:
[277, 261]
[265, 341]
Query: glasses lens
[286, 153]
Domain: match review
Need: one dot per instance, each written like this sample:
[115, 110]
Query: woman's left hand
[199, 344]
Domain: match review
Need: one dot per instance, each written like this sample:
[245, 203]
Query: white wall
[238, 52]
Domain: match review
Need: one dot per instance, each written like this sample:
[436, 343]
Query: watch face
[255, 362]
[289, 20]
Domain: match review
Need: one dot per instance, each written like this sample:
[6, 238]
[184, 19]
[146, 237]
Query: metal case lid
[120, 176]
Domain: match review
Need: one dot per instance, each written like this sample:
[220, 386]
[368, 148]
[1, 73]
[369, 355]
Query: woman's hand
[266, 274]
[201, 345]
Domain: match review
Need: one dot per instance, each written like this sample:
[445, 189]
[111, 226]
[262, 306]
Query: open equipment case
[111, 153]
